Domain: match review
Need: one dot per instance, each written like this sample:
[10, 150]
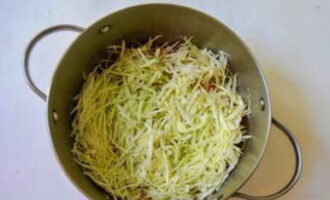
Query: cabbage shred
[159, 123]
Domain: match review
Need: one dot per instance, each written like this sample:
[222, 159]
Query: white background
[291, 40]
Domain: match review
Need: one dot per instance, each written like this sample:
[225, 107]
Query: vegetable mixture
[159, 122]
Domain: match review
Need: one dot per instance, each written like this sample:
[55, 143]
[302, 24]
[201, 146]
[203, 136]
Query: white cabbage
[160, 123]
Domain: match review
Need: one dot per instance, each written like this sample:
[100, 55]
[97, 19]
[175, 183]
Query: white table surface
[291, 40]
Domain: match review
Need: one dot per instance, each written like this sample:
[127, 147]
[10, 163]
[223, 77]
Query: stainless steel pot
[172, 22]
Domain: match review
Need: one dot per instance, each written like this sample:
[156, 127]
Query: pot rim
[267, 98]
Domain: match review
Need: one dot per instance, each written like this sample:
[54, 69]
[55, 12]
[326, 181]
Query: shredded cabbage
[160, 122]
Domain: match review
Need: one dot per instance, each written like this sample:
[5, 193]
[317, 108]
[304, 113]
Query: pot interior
[172, 22]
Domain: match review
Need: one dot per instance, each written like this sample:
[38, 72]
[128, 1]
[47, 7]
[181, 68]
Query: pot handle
[297, 171]
[33, 42]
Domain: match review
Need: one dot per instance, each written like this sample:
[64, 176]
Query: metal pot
[172, 22]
